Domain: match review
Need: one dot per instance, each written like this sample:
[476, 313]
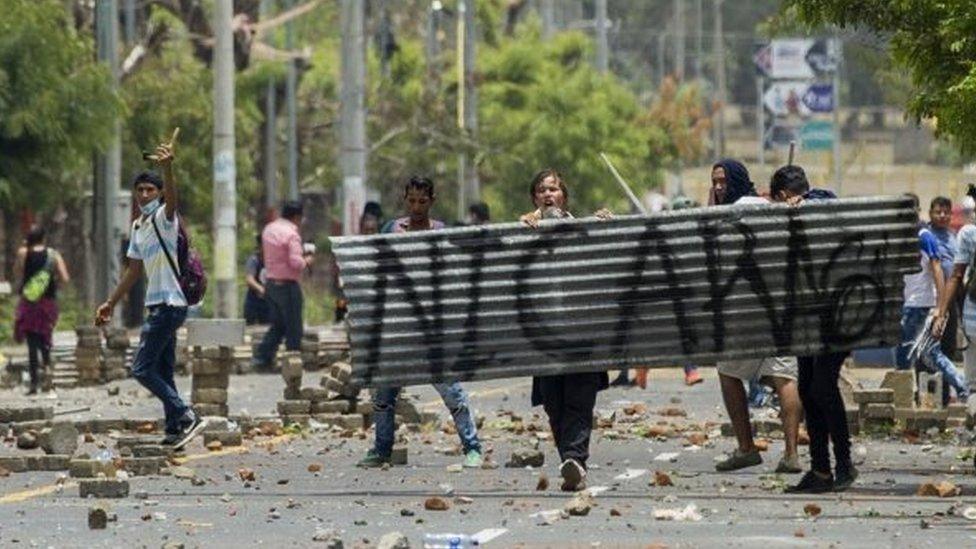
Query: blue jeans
[912, 321]
[154, 361]
[456, 400]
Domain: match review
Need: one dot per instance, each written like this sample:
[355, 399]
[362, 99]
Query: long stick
[792, 150]
[624, 185]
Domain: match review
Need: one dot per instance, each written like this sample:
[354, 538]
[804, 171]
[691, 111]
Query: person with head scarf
[731, 184]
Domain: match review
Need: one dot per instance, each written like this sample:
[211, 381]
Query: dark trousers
[285, 303]
[568, 401]
[155, 358]
[38, 353]
[824, 408]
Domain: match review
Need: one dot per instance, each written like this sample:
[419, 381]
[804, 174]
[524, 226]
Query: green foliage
[933, 40]
[56, 104]
[174, 89]
[542, 105]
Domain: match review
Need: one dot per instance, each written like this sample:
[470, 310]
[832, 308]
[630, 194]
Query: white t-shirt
[752, 200]
[920, 287]
[964, 256]
[163, 287]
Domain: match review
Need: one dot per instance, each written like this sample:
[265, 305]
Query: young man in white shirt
[155, 357]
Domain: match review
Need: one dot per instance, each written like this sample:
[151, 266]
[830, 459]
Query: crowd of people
[806, 387]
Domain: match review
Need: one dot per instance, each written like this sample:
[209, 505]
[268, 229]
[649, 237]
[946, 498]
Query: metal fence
[690, 286]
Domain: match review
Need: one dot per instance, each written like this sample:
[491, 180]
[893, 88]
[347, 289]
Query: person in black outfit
[826, 417]
[37, 310]
[256, 309]
[568, 399]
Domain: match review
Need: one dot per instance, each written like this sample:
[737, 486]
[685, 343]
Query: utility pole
[548, 13]
[660, 57]
[225, 176]
[838, 168]
[602, 48]
[468, 185]
[109, 228]
[432, 46]
[679, 39]
[130, 21]
[290, 90]
[270, 135]
[352, 156]
[719, 46]
[761, 119]
[699, 30]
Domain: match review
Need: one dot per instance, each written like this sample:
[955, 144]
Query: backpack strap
[162, 244]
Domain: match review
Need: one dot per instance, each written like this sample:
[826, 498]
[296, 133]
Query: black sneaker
[191, 430]
[170, 439]
[812, 483]
[845, 479]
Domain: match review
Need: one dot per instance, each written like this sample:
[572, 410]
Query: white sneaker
[573, 476]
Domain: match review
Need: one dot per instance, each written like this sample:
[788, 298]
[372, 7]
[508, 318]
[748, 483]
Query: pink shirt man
[283, 257]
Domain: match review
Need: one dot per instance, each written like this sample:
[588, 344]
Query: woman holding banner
[568, 399]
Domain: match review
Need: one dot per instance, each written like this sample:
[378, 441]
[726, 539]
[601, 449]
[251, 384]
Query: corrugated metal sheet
[691, 286]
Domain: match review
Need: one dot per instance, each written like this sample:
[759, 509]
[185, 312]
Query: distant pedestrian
[40, 269]
[419, 197]
[153, 244]
[924, 290]
[478, 214]
[285, 260]
[568, 399]
[256, 310]
[369, 223]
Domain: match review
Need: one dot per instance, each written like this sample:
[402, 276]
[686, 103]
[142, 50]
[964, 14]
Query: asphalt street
[289, 506]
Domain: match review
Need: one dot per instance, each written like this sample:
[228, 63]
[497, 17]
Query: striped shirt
[163, 287]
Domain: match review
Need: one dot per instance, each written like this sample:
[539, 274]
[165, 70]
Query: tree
[56, 104]
[543, 105]
[932, 40]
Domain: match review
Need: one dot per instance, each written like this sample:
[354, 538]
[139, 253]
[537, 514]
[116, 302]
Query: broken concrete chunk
[399, 455]
[103, 488]
[14, 464]
[294, 407]
[580, 505]
[902, 384]
[90, 468]
[436, 504]
[59, 438]
[526, 458]
[27, 440]
[53, 462]
[393, 540]
[943, 489]
[97, 518]
[874, 396]
[225, 438]
[10, 414]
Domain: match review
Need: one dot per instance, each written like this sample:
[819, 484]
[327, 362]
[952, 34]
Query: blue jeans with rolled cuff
[456, 400]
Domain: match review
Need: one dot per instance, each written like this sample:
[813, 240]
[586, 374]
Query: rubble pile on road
[115, 355]
[322, 348]
[88, 355]
[894, 403]
[211, 367]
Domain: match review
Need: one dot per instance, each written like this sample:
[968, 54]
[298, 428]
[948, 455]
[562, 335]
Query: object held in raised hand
[172, 141]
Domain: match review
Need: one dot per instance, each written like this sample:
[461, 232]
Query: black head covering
[737, 182]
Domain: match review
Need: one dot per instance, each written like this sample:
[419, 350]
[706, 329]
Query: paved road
[287, 505]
